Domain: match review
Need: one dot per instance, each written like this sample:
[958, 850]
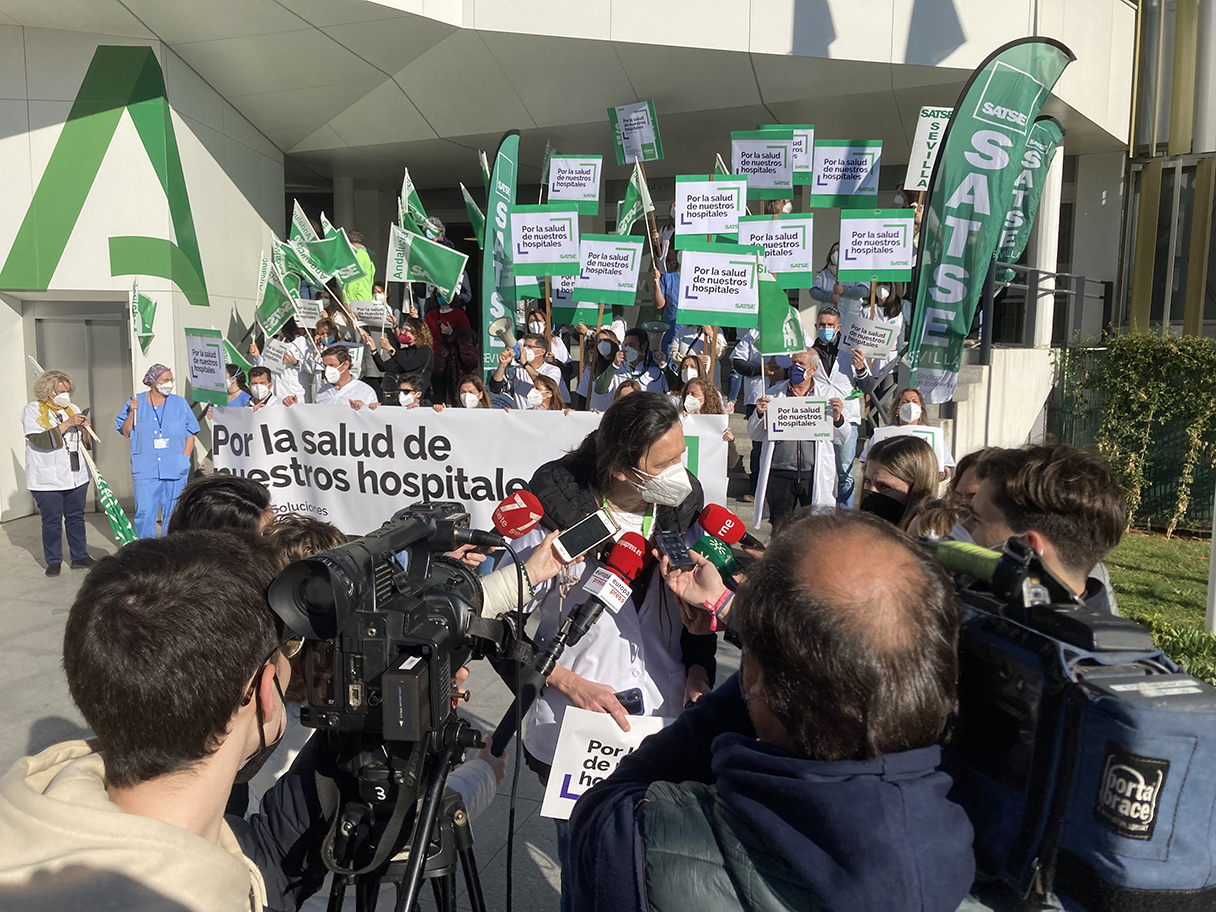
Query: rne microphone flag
[518, 514]
[722, 523]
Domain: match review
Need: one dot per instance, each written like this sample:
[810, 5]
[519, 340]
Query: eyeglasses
[290, 648]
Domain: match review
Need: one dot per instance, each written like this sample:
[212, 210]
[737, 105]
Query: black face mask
[883, 506]
[254, 762]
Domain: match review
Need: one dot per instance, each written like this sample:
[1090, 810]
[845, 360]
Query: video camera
[1077, 743]
[387, 621]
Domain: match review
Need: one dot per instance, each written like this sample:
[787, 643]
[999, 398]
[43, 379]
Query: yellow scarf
[45, 420]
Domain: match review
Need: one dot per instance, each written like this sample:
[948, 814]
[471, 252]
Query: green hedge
[1194, 650]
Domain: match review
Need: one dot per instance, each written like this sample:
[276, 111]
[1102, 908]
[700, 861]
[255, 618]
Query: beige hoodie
[65, 847]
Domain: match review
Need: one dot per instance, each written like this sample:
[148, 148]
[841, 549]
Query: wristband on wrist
[528, 582]
[716, 608]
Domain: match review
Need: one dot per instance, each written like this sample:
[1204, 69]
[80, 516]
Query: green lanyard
[647, 517]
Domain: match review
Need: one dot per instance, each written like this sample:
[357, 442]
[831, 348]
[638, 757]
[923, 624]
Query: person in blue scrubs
[161, 428]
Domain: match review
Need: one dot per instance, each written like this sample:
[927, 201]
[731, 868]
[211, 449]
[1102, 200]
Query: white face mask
[332, 374]
[165, 388]
[669, 488]
[787, 208]
[882, 292]
[526, 355]
[909, 413]
[470, 400]
[535, 398]
[260, 391]
[960, 534]
[900, 201]
[692, 404]
[834, 259]
[604, 348]
[671, 213]
[63, 400]
[688, 374]
[632, 355]
[536, 327]
[406, 397]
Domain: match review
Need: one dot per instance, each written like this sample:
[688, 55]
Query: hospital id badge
[161, 443]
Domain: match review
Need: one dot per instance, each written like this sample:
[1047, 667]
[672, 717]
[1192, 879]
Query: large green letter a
[118, 78]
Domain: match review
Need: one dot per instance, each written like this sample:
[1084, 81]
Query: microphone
[717, 552]
[609, 587]
[721, 523]
[518, 515]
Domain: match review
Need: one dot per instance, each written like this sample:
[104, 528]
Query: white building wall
[1097, 221]
[234, 178]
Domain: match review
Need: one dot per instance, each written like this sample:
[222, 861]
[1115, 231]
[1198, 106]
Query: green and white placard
[799, 418]
[705, 206]
[930, 128]
[529, 287]
[576, 179]
[608, 269]
[566, 309]
[803, 147]
[635, 132]
[544, 239]
[875, 245]
[870, 337]
[719, 284]
[766, 159]
[786, 242]
[308, 312]
[208, 374]
[845, 172]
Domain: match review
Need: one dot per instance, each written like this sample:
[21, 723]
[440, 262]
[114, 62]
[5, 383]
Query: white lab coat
[627, 649]
[823, 493]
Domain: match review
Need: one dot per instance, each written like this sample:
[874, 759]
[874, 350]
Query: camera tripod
[441, 834]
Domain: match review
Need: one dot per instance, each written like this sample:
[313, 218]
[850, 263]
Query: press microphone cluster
[609, 587]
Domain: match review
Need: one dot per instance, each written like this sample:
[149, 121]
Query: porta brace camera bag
[1086, 761]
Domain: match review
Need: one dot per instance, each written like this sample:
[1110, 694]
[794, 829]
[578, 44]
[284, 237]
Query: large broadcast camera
[1081, 753]
[387, 622]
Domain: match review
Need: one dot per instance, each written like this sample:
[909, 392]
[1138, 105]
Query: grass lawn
[1153, 575]
[1162, 583]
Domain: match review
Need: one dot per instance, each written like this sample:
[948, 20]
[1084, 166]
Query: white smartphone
[585, 535]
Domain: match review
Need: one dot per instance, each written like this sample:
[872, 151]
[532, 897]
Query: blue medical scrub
[159, 466]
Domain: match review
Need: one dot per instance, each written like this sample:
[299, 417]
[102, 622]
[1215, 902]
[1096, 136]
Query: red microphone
[608, 588]
[518, 515]
[722, 523]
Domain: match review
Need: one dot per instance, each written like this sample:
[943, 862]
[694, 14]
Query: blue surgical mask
[330, 340]
[827, 334]
[797, 374]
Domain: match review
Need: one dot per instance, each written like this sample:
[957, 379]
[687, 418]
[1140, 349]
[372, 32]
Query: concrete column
[1044, 245]
[344, 198]
[1204, 130]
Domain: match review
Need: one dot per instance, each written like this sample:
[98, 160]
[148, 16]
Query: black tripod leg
[445, 892]
[472, 880]
[337, 893]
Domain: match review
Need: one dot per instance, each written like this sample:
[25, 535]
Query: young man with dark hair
[340, 387]
[222, 502]
[517, 376]
[178, 666]
[639, 364]
[261, 388]
[1066, 503]
[811, 780]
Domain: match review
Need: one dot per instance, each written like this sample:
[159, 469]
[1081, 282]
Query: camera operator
[177, 664]
[631, 467]
[1065, 502]
[811, 781]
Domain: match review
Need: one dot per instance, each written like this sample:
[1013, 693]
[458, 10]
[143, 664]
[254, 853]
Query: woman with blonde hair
[55, 469]
[900, 475]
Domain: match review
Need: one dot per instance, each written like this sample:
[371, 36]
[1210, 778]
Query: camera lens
[317, 593]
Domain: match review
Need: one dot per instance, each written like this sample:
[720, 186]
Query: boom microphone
[722, 523]
[518, 515]
[609, 588]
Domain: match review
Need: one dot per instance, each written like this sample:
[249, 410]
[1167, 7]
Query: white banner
[930, 127]
[797, 418]
[786, 241]
[576, 179]
[589, 747]
[356, 469]
[705, 207]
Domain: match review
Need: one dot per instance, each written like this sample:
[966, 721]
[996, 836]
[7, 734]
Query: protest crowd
[812, 779]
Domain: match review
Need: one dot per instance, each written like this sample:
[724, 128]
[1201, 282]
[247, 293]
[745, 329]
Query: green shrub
[1194, 650]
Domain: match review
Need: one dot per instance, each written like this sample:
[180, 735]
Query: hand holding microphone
[721, 523]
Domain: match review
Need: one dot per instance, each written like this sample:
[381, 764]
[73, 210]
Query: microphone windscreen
[722, 524]
[717, 552]
[628, 555]
[518, 514]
